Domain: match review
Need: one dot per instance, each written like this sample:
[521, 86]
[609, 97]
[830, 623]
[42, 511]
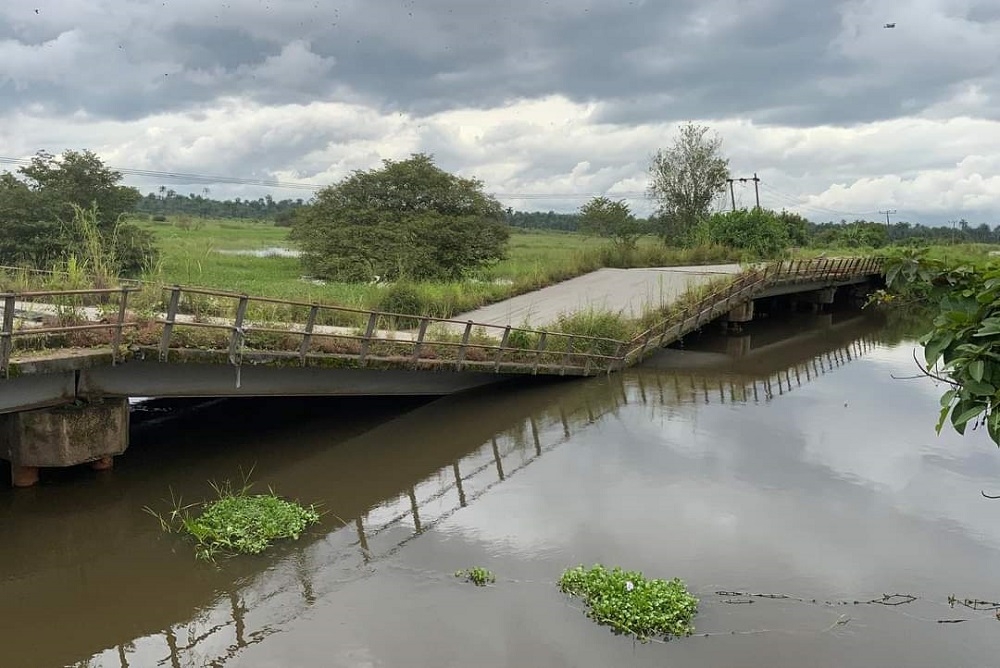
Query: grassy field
[194, 252]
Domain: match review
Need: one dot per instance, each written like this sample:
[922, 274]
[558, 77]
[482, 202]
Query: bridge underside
[155, 379]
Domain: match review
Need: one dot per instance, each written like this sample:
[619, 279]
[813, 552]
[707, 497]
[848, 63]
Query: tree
[80, 178]
[612, 220]
[685, 178]
[39, 219]
[409, 219]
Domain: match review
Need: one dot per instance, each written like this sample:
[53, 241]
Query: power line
[271, 183]
[192, 178]
[812, 207]
[744, 179]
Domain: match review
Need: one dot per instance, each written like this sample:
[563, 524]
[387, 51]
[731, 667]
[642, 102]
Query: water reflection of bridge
[258, 608]
[739, 388]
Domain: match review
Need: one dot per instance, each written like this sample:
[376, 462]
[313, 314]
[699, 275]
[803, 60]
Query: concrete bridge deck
[630, 292]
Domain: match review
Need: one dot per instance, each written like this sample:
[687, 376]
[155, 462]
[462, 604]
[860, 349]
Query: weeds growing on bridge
[237, 522]
[630, 603]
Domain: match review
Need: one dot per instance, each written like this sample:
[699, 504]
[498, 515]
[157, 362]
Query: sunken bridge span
[70, 360]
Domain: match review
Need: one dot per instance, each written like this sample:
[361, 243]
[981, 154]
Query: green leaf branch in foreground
[630, 603]
[962, 347]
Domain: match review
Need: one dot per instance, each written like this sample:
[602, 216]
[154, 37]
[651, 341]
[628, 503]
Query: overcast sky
[547, 101]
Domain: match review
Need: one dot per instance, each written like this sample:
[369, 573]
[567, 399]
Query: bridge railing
[684, 319]
[416, 341]
[65, 313]
[395, 339]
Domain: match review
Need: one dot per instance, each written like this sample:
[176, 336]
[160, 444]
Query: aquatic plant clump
[478, 576]
[239, 522]
[630, 603]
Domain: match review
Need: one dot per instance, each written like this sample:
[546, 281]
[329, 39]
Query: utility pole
[744, 179]
[887, 212]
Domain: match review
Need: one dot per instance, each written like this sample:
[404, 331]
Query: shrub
[759, 231]
[401, 298]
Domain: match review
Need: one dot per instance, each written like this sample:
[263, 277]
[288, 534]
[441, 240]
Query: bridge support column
[739, 315]
[91, 433]
[817, 299]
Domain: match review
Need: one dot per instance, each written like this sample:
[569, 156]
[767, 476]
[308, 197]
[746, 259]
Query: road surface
[628, 291]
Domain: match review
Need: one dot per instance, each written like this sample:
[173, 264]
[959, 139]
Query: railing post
[645, 344]
[168, 325]
[460, 358]
[566, 355]
[369, 331]
[503, 344]
[590, 359]
[237, 338]
[307, 333]
[116, 340]
[620, 357]
[419, 343]
[539, 349]
[7, 333]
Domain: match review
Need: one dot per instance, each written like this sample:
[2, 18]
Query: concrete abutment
[83, 433]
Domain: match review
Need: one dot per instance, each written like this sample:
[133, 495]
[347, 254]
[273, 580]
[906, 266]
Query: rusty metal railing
[688, 318]
[498, 347]
[11, 300]
[427, 342]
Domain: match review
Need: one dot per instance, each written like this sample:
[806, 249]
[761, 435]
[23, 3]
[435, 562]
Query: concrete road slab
[625, 291]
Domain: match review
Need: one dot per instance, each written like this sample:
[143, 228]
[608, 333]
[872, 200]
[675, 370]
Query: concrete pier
[91, 432]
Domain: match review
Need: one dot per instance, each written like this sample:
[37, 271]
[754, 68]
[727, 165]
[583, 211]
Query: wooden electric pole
[744, 179]
[887, 212]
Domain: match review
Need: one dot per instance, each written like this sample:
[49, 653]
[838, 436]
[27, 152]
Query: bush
[630, 604]
[404, 299]
[407, 220]
[759, 231]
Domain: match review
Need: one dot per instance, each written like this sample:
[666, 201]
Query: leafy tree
[759, 231]
[409, 219]
[612, 220]
[685, 178]
[38, 213]
[80, 178]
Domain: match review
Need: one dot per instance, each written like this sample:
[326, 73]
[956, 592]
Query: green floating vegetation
[631, 604]
[238, 522]
[478, 576]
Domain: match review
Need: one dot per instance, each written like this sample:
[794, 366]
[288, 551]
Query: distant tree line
[168, 202]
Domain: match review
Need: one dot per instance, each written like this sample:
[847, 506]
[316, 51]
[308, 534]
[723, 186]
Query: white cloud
[930, 168]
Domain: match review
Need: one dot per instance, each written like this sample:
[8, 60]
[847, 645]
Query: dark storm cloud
[799, 62]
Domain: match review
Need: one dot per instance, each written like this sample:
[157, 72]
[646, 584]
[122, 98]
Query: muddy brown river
[791, 477]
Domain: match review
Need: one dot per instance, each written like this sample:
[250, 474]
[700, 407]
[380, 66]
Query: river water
[792, 478]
